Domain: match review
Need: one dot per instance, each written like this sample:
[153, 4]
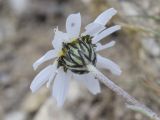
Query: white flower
[73, 55]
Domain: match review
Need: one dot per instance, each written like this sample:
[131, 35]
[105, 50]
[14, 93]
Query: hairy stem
[129, 99]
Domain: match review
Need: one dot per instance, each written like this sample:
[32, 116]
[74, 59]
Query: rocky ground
[26, 32]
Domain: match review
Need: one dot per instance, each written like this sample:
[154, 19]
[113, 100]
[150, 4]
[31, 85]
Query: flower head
[73, 53]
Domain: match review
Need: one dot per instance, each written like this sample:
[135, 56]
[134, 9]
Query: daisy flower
[75, 56]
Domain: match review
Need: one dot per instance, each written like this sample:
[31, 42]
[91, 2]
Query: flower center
[77, 54]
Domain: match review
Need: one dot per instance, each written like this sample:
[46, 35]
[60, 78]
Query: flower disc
[77, 54]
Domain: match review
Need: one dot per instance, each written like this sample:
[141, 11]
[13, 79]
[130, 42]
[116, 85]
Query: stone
[50, 111]
[151, 46]
[16, 115]
[32, 102]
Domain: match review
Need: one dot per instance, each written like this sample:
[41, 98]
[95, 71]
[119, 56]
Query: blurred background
[26, 32]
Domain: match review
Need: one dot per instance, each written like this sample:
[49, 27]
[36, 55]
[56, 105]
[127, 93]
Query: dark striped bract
[77, 55]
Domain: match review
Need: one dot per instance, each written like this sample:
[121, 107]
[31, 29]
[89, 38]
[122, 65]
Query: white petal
[105, 33]
[93, 28]
[89, 81]
[51, 78]
[104, 17]
[48, 56]
[73, 25]
[102, 47]
[41, 78]
[108, 64]
[99, 24]
[60, 86]
[54, 72]
[59, 38]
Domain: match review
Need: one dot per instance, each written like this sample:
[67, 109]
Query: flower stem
[131, 101]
